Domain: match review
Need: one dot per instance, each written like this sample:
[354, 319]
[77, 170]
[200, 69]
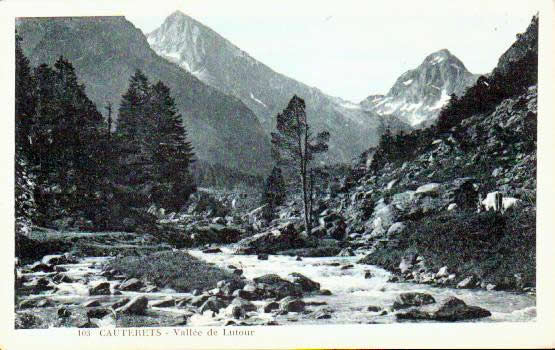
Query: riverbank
[170, 287]
[488, 250]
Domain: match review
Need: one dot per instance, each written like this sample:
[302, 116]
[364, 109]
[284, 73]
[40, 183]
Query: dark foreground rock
[277, 287]
[406, 300]
[136, 306]
[453, 309]
[456, 310]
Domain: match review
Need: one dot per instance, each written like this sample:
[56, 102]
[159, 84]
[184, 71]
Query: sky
[353, 48]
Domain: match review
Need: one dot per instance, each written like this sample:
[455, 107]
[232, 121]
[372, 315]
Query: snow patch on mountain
[257, 100]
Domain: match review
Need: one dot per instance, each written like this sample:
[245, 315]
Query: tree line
[74, 168]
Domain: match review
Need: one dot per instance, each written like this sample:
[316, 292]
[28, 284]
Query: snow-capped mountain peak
[418, 94]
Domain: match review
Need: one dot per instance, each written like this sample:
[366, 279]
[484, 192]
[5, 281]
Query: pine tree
[67, 149]
[134, 132]
[154, 152]
[173, 154]
[25, 100]
[294, 145]
[24, 119]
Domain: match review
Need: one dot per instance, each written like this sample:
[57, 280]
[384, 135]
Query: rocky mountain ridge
[419, 94]
[106, 51]
[217, 62]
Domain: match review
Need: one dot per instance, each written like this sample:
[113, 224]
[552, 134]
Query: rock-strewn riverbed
[67, 291]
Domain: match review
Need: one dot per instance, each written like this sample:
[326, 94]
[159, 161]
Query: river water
[352, 293]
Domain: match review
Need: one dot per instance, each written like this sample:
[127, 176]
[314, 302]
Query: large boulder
[136, 306]
[291, 304]
[468, 282]
[396, 229]
[304, 282]
[431, 189]
[284, 237]
[277, 287]
[406, 300]
[228, 287]
[131, 284]
[102, 288]
[245, 305]
[41, 267]
[271, 306]
[451, 310]
[454, 309]
[213, 304]
[58, 259]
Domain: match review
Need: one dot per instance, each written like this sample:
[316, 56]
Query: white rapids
[352, 293]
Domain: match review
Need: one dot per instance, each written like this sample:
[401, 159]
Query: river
[352, 293]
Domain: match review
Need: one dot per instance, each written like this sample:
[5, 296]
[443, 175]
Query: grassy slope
[173, 269]
[490, 246]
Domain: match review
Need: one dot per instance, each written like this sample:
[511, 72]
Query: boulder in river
[98, 312]
[63, 312]
[41, 267]
[212, 251]
[136, 306]
[414, 315]
[405, 300]
[38, 285]
[199, 300]
[247, 306]
[468, 282]
[216, 233]
[278, 287]
[131, 284]
[32, 303]
[235, 311]
[62, 278]
[306, 283]
[454, 309]
[283, 237]
[102, 288]
[58, 259]
[212, 304]
[321, 315]
[244, 294]
[271, 306]
[291, 304]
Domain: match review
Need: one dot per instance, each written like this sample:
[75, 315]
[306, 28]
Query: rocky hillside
[418, 94]
[218, 63]
[106, 51]
[428, 210]
[520, 47]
